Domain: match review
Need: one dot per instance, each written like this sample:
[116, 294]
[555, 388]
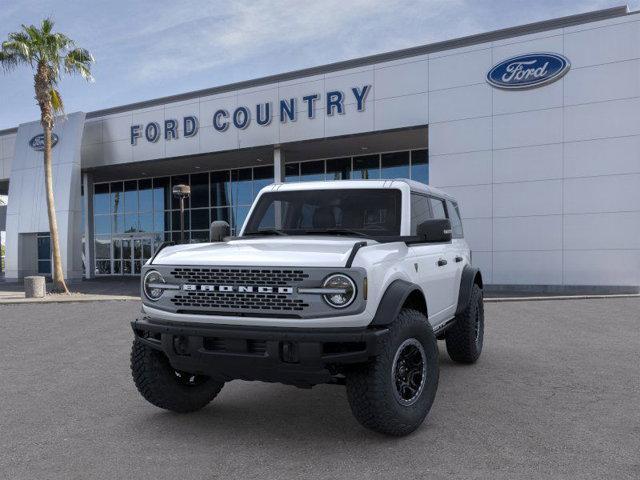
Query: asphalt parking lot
[555, 395]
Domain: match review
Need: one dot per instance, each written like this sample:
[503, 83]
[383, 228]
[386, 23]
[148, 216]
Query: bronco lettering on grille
[237, 288]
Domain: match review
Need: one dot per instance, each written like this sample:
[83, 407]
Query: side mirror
[219, 230]
[435, 230]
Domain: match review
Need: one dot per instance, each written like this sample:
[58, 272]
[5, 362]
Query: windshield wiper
[338, 231]
[266, 231]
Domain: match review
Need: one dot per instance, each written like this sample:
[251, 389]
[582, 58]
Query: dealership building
[535, 129]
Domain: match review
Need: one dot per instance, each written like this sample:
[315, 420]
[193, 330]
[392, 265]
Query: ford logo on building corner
[528, 71]
[37, 142]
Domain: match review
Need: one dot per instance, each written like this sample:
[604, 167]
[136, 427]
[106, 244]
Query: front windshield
[358, 212]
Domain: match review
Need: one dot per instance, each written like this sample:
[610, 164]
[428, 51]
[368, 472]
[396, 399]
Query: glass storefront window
[131, 210]
[312, 171]
[395, 165]
[101, 199]
[200, 190]
[339, 168]
[420, 166]
[366, 167]
[145, 195]
[220, 189]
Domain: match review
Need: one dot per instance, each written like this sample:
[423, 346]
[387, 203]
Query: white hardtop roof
[414, 186]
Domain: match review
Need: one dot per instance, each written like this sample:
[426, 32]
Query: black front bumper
[300, 357]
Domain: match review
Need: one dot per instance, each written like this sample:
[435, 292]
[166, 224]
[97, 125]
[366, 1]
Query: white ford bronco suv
[343, 282]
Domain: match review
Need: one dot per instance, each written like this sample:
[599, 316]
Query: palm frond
[79, 60]
[56, 101]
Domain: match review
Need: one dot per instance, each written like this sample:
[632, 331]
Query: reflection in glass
[366, 167]
[312, 171]
[131, 196]
[200, 219]
[102, 247]
[145, 222]
[131, 222]
[240, 216]
[161, 194]
[199, 190]
[103, 267]
[292, 172]
[339, 169]
[175, 220]
[420, 166]
[126, 249]
[241, 181]
[200, 236]
[116, 197]
[179, 180]
[102, 224]
[101, 198]
[145, 195]
[395, 165]
[117, 248]
[262, 176]
[220, 189]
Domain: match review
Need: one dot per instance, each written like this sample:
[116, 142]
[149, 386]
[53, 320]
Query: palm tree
[47, 53]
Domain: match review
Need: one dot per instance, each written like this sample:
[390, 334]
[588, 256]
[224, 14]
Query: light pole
[181, 192]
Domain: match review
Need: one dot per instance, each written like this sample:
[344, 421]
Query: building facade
[535, 129]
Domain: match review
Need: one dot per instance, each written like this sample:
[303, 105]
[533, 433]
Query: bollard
[34, 287]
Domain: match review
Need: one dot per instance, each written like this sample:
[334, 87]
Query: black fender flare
[392, 301]
[469, 275]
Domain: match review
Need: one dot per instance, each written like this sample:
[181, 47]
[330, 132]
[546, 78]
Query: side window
[420, 211]
[437, 206]
[456, 222]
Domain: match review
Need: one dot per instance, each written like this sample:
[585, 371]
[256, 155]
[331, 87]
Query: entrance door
[130, 252]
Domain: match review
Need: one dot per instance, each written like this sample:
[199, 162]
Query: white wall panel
[612, 193]
[92, 132]
[599, 83]
[603, 45]
[602, 157]
[601, 120]
[595, 231]
[402, 79]
[352, 121]
[471, 168]
[542, 232]
[510, 101]
[528, 268]
[212, 140]
[474, 200]
[527, 198]
[117, 152]
[458, 70]
[117, 127]
[398, 112]
[478, 232]
[302, 129]
[344, 82]
[460, 103]
[540, 162]
[460, 136]
[602, 267]
[527, 128]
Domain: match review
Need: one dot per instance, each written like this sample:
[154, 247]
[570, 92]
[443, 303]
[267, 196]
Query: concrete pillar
[87, 186]
[278, 165]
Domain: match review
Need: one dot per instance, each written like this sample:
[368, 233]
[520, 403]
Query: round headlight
[344, 290]
[151, 285]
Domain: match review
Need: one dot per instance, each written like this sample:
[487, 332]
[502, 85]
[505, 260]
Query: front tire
[394, 392]
[466, 336]
[164, 386]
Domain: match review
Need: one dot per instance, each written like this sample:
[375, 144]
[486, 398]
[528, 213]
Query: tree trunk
[59, 285]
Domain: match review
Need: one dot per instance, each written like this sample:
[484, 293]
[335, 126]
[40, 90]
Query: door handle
[442, 262]
[458, 259]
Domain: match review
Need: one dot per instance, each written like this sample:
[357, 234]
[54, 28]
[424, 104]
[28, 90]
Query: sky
[149, 49]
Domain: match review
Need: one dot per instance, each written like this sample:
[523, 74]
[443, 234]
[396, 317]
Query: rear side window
[437, 207]
[420, 211]
[456, 222]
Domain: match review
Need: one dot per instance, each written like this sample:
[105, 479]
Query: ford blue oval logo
[37, 142]
[528, 71]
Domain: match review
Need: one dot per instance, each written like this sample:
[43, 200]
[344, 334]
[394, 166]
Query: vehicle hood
[308, 251]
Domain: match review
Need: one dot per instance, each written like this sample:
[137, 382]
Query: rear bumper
[300, 357]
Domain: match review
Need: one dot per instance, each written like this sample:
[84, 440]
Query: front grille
[242, 276]
[238, 301]
[217, 344]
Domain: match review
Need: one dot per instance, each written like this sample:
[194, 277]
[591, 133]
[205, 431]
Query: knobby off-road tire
[465, 337]
[161, 385]
[379, 397]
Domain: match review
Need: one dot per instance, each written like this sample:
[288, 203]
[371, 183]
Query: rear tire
[394, 392]
[465, 337]
[165, 387]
